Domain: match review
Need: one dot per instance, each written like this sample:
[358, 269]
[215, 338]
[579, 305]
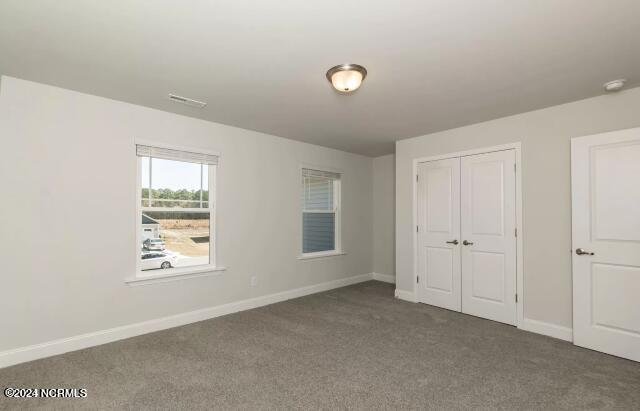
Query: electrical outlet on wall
[254, 281]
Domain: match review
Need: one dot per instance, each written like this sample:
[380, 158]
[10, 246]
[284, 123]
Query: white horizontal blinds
[318, 192]
[307, 172]
[175, 155]
[320, 205]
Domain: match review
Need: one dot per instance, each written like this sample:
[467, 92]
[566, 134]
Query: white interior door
[605, 178]
[488, 236]
[438, 218]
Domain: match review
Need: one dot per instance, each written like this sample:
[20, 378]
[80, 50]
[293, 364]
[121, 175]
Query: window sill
[322, 254]
[174, 274]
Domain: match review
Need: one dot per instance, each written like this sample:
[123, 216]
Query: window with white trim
[320, 212]
[176, 198]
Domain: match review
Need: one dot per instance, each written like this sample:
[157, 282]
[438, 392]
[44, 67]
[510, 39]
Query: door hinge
[516, 297]
[417, 230]
[417, 177]
[516, 232]
[417, 279]
[514, 168]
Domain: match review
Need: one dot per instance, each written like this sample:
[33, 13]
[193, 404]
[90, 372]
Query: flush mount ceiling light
[614, 85]
[346, 78]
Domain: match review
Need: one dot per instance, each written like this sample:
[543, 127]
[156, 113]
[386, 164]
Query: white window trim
[176, 274]
[170, 274]
[337, 195]
[320, 254]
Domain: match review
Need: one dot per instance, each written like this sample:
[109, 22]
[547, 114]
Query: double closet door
[466, 235]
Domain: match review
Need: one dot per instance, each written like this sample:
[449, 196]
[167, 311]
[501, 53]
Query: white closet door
[605, 181]
[438, 209]
[488, 198]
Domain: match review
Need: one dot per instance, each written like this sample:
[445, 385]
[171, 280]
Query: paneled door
[488, 198]
[605, 181]
[438, 230]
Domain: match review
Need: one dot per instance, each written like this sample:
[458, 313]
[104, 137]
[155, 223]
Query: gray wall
[384, 201]
[69, 172]
[545, 136]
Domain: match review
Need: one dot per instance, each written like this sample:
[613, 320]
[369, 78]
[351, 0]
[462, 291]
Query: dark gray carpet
[354, 347]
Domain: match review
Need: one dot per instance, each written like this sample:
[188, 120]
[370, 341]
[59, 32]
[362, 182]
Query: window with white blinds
[176, 208]
[320, 211]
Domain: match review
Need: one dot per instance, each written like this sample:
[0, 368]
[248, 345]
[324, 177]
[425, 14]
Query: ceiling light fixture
[346, 78]
[614, 85]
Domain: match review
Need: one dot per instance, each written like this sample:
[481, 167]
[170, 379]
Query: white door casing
[438, 229]
[488, 236]
[605, 179]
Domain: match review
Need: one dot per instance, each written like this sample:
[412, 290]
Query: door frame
[519, 239]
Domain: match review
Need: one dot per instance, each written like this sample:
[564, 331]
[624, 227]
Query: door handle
[454, 242]
[582, 251]
[465, 242]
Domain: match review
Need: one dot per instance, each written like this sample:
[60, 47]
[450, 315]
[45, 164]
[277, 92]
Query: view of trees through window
[166, 197]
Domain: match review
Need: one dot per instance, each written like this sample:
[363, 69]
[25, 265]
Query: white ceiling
[260, 65]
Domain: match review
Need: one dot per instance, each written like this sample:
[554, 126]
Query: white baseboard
[384, 277]
[61, 346]
[548, 329]
[405, 295]
[78, 342]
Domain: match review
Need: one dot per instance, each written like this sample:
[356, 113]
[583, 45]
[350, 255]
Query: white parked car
[153, 244]
[155, 260]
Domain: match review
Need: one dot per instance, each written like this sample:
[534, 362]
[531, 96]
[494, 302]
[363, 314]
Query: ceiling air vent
[187, 101]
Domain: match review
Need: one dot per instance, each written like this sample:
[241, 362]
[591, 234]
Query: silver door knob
[454, 242]
[582, 251]
[465, 242]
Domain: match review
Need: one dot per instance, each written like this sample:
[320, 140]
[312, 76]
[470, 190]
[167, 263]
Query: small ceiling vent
[187, 101]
